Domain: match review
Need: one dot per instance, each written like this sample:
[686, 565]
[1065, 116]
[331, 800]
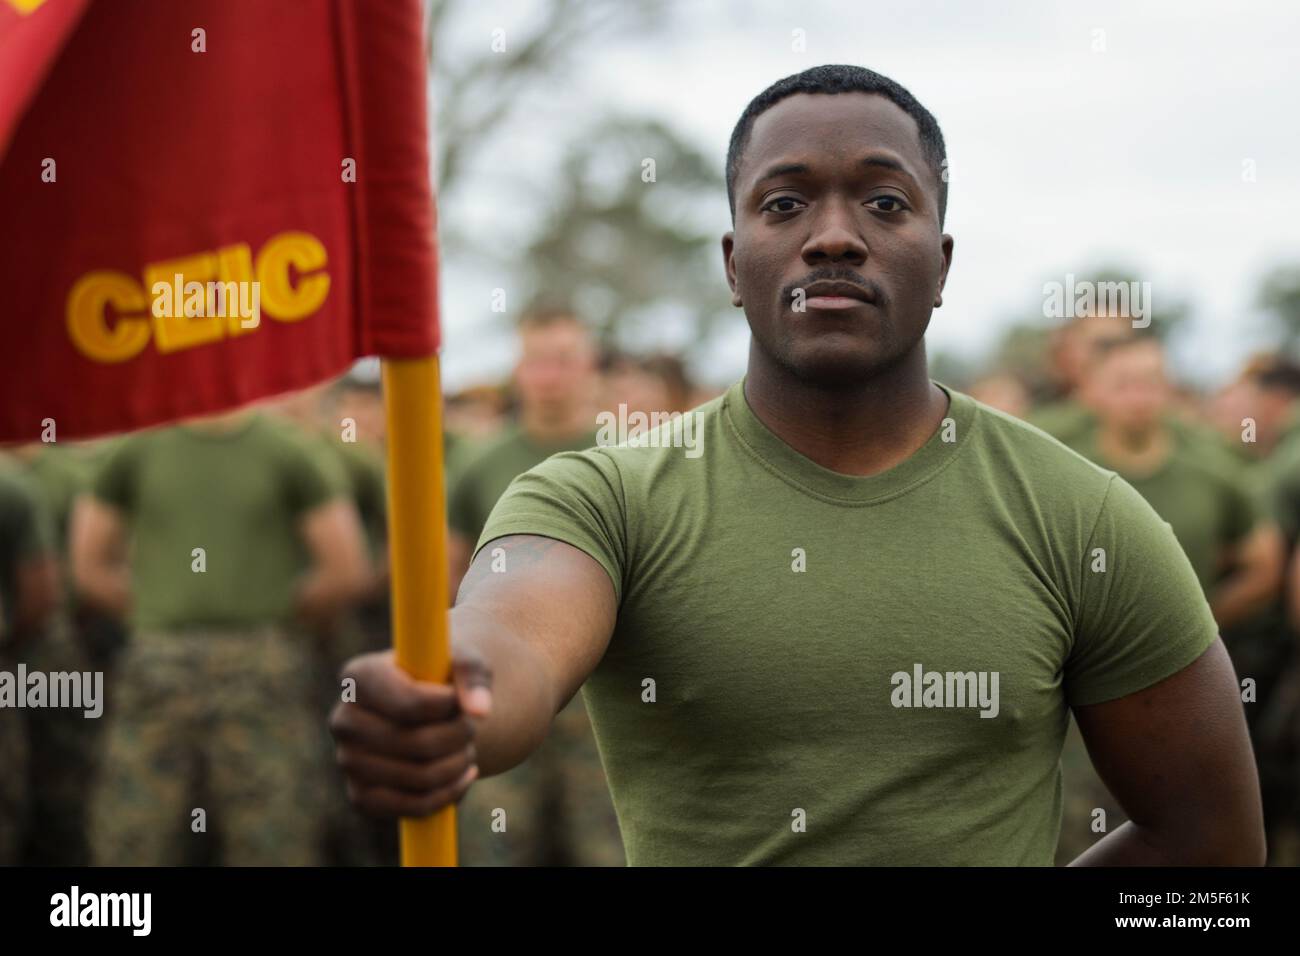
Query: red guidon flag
[206, 203]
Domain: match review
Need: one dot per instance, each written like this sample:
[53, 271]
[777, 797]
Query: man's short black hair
[838, 78]
[1281, 374]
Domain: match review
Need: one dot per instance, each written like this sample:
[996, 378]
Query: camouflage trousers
[64, 748]
[211, 731]
[554, 809]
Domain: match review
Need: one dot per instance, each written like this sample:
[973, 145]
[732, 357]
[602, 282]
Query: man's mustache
[862, 282]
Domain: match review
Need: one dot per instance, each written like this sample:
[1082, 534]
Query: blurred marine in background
[227, 543]
[554, 809]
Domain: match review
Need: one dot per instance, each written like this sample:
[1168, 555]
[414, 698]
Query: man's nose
[836, 235]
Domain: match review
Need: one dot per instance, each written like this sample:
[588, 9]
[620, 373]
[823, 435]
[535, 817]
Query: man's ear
[945, 246]
[728, 265]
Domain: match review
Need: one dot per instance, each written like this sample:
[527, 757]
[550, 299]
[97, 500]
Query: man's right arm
[532, 620]
[98, 556]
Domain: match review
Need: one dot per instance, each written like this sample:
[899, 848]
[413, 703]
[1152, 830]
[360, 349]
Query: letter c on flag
[86, 321]
[280, 299]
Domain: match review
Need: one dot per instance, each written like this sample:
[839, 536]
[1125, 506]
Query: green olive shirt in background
[484, 477]
[1066, 420]
[1206, 499]
[768, 610]
[237, 495]
[60, 474]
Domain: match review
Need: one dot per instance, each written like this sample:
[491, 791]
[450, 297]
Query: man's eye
[891, 203]
[782, 199]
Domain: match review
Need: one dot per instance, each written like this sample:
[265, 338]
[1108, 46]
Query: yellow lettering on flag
[196, 299]
[85, 312]
[25, 6]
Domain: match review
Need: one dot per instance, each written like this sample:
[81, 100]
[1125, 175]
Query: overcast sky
[1062, 156]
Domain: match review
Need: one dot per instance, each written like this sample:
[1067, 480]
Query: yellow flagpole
[417, 542]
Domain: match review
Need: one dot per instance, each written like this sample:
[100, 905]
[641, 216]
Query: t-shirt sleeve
[1282, 494]
[1244, 510]
[113, 481]
[315, 475]
[574, 497]
[1142, 614]
[25, 525]
[462, 508]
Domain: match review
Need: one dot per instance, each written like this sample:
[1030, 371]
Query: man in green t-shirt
[1074, 346]
[555, 382]
[556, 804]
[1270, 649]
[28, 596]
[239, 540]
[344, 422]
[1233, 546]
[846, 618]
[29, 587]
[65, 747]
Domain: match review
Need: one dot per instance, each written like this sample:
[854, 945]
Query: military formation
[218, 572]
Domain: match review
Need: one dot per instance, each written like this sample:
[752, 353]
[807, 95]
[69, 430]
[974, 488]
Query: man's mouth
[837, 296]
[833, 302]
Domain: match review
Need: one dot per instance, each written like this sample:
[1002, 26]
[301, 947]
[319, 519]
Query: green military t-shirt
[60, 473]
[484, 478]
[364, 465]
[237, 495]
[783, 611]
[1075, 426]
[1067, 420]
[457, 451]
[1208, 502]
[358, 468]
[1280, 480]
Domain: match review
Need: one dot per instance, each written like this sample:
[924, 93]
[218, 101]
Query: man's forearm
[1132, 845]
[328, 590]
[523, 698]
[320, 597]
[1245, 593]
[108, 588]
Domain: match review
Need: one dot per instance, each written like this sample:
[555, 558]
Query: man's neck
[862, 429]
[1138, 451]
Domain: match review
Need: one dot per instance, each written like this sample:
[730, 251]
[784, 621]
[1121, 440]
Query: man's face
[365, 407]
[1084, 339]
[636, 388]
[836, 189]
[1128, 388]
[556, 369]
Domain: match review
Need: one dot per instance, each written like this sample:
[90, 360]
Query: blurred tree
[954, 370]
[476, 87]
[634, 235]
[1279, 295]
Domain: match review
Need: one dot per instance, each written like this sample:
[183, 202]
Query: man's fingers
[371, 770]
[473, 682]
[362, 729]
[406, 746]
[387, 802]
[385, 688]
